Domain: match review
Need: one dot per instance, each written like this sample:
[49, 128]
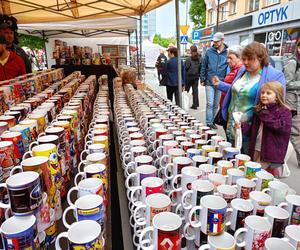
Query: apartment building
[276, 23]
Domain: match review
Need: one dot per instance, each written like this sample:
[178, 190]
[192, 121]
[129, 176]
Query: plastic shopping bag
[237, 117]
[186, 100]
[285, 168]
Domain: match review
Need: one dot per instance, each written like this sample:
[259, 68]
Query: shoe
[193, 107]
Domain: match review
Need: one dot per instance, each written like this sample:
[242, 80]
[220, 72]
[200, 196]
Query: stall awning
[33, 11]
[113, 27]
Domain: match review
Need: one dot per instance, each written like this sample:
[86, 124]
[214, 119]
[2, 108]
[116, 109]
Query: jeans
[194, 85]
[173, 90]
[212, 102]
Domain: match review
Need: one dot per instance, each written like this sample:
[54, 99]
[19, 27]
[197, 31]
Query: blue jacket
[172, 72]
[214, 64]
[268, 74]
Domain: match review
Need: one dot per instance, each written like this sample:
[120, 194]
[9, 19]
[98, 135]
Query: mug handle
[66, 224]
[136, 215]
[283, 205]
[173, 183]
[87, 144]
[127, 167]
[158, 155]
[177, 211]
[82, 152]
[129, 177]
[61, 235]
[228, 215]
[186, 232]
[27, 153]
[77, 176]
[144, 239]
[12, 172]
[69, 195]
[126, 156]
[166, 171]
[185, 205]
[134, 200]
[3, 205]
[237, 233]
[173, 203]
[266, 190]
[162, 159]
[193, 210]
[80, 164]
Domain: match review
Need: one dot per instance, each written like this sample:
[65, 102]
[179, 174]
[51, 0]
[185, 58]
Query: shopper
[235, 63]
[292, 76]
[161, 66]
[172, 75]
[8, 33]
[192, 73]
[213, 64]
[270, 128]
[11, 65]
[243, 94]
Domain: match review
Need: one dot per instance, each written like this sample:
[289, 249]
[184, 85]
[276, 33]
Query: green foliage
[164, 42]
[31, 42]
[197, 12]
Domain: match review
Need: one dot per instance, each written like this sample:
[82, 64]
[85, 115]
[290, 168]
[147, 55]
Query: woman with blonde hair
[270, 129]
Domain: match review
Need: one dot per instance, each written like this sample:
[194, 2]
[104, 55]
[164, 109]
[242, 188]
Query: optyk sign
[276, 14]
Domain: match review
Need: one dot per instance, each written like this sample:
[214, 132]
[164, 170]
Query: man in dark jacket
[213, 64]
[11, 65]
[161, 65]
[8, 33]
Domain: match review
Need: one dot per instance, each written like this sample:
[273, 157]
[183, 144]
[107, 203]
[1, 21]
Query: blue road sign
[196, 36]
[184, 39]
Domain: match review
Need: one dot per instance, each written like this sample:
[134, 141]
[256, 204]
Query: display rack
[117, 53]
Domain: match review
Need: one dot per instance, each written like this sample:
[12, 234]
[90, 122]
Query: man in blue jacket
[214, 63]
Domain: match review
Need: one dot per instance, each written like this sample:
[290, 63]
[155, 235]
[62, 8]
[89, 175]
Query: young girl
[270, 129]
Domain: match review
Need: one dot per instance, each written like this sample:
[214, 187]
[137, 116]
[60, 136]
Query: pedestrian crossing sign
[184, 39]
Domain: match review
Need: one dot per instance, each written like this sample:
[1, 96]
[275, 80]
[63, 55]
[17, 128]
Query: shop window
[261, 38]
[253, 5]
[223, 13]
[244, 40]
[232, 7]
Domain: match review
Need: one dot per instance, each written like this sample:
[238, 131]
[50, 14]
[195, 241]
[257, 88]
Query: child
[270, 129]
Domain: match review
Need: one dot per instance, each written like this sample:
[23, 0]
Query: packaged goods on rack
[187, 187]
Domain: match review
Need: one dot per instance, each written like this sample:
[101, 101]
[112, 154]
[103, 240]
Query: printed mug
[16, 138]
[24, 191]
[260, 201]
[292, 205]
[84, 234]
[278, 191]
[278, 218]
[88, 207]
[255, 232]
[20, 232]
[165, 230]
[224, 241]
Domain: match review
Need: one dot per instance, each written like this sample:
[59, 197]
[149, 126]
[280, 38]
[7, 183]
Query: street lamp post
[217, 24]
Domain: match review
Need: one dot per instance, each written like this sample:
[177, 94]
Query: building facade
[148, 29]
[276, 23]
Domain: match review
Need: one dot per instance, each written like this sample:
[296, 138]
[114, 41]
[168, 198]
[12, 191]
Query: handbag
[164, 80]
[219, 120]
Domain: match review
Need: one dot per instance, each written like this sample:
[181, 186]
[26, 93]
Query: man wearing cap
[8, 33]
[11, 65]
[214, 64]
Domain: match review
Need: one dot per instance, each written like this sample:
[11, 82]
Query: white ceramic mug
[278, 191]
[224, 241]
[278, 218]
[292, 205]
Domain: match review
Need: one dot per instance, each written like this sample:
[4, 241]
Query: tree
[33, 43]
[164, 42]
[197, 12]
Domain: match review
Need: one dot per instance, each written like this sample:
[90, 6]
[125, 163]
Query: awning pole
[178, 52]
[137, 53]
[46, 57]
[141, 42]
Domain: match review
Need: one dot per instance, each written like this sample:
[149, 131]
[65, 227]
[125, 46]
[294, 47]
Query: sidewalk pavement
[152, 81]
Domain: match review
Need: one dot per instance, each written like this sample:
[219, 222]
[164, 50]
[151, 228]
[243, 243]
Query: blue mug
[88, 207]
[20, 232]
[229, 153]
[84, 234]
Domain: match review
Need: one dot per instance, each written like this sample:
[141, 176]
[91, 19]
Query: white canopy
[112, 27]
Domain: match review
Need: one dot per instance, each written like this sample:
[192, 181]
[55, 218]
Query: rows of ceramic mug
[35, 186]
[184, 171]
[91, 183]
[17, 90]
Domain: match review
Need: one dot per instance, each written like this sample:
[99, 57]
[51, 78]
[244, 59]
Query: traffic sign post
[184, 39]
[196, 36]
